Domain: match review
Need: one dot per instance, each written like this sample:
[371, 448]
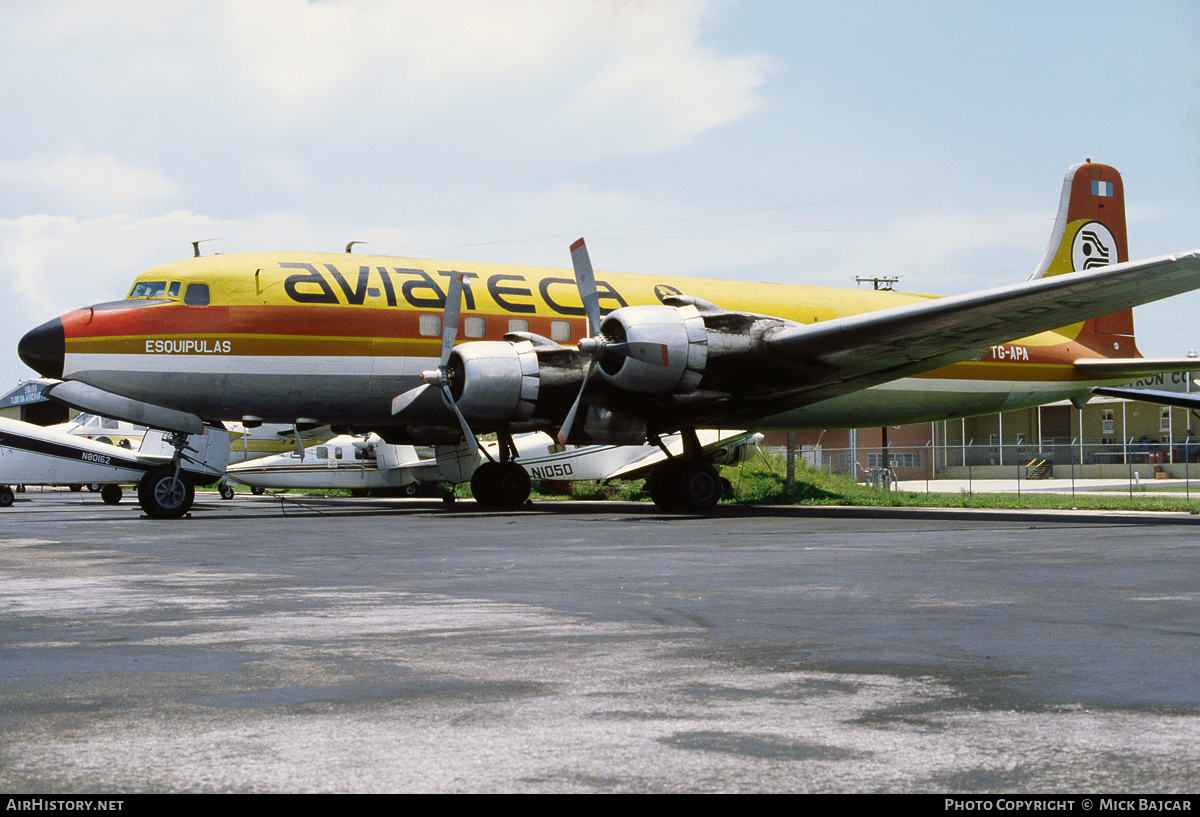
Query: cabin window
[337, 453]
[473, 326]
[430, 325]
[322, 453]
[173, 290]
[148, 289]
[196, 295]
[106, 422]
[518, 325]
[560, 331]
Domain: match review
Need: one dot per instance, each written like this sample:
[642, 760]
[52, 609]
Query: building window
[1108, 420]
[1164, 418]
[903, 459]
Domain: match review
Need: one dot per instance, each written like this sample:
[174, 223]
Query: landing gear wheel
[685, 485]
[661, 487]
[501, 485]
[411, 489]
[700, 487]
[226, 490]
[111, 494]
[76, 489]
[257, 491]
[6, 496]
[163, 495]
[94, 487]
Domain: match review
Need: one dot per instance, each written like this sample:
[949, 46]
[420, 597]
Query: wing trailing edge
[917, 337]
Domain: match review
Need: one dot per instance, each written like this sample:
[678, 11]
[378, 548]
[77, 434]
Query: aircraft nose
[44, 348]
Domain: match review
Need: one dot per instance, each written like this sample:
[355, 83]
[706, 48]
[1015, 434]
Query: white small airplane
[164, 470]
[360, 464]
[346, 462]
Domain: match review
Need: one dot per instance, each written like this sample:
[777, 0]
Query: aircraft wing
[847, 354]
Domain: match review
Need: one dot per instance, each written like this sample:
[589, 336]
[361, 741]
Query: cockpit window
[196, 295]
[173, 290]
[149, 289]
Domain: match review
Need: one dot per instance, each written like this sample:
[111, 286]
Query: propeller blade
[450, 314]
[653, 354]
[468, 435]
[585, 281]
[402, 401]
[570, 421]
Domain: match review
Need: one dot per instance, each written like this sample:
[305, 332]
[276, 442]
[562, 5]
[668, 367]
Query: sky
[800, 142]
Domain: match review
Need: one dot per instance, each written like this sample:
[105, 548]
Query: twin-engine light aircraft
[605, 358]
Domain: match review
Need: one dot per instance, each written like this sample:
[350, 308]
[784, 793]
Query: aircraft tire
[411, 489]
[483, 484]
[111, 494]
[162, 495]
[226, 490]
[699, 487]
[76, 488]
[257, 491]
[7, 497]
[693, 486]
[664, 486]
[501, 485]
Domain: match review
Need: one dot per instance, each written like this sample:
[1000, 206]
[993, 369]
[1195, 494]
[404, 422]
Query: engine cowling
[680, 331]
[495, 380]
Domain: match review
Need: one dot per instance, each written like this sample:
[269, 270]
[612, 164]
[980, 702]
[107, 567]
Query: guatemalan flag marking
[1102, 188]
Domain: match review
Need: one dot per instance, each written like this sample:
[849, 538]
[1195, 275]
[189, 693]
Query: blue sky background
[805, 142]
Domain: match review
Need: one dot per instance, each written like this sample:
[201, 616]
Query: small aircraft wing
[711, 441]
[851, 353]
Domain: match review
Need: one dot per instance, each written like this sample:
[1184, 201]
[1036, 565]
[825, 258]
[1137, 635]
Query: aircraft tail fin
[1089, 233]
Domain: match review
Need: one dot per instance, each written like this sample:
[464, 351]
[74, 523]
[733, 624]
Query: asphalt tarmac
[405, 646]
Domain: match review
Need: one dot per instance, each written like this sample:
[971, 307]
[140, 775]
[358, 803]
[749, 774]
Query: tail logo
[1094, 246]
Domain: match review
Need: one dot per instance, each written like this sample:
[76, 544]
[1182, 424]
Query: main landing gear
[166, 492]
[687, 483]
[502, 484]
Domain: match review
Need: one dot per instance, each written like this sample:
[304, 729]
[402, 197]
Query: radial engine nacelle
[643, 349]
[676, 366]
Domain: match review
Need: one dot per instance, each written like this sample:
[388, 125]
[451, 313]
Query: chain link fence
[1137, 458]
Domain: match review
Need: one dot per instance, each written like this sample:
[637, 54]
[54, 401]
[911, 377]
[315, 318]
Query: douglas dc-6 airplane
[355, 341]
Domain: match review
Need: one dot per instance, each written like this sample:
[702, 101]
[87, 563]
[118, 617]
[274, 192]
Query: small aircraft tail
[1090, 233]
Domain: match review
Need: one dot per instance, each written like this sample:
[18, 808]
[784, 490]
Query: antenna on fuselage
[352, 243]
[884, 284]
[196, 245]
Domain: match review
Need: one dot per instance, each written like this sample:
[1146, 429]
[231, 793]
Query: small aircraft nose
[44, 348]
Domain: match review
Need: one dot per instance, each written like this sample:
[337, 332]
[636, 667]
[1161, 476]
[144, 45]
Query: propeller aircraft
[376, 344]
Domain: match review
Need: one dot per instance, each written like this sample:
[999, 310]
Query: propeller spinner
[598, 345]
[439, 378]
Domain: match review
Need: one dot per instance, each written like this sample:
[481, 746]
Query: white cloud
[74, 182]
